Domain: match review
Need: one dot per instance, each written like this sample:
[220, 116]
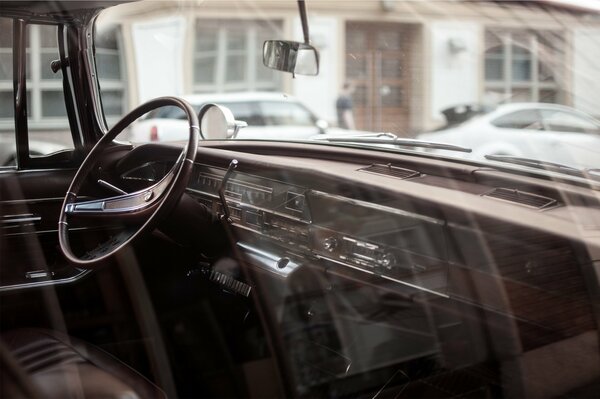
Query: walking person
[344, 107]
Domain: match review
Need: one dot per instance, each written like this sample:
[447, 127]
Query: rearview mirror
[294, 57]
[217, 123]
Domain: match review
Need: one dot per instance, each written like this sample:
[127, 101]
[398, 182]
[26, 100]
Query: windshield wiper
[539, 164]
[392, 139]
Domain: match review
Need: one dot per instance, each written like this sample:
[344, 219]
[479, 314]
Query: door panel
[30, 204]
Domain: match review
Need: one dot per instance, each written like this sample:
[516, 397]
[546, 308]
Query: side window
[47, 115]
[526, 119]
[47, 122]
[7, 124]
[561, 121]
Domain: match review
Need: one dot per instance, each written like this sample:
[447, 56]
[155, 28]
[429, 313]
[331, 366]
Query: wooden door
[377, 63]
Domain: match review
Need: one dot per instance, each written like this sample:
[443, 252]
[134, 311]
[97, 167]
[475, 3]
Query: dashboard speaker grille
[521, 197]
[389, 170]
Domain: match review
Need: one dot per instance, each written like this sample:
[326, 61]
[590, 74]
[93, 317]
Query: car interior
[231, 268]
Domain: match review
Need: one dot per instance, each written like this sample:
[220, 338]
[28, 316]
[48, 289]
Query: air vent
[522, 198]
[389, 170]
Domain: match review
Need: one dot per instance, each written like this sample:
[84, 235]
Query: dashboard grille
[522, 198]
[389, 170]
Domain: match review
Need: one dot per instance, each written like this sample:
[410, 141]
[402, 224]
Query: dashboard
[302, 223]
[408, 263]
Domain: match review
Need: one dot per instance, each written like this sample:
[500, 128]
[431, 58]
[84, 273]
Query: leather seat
[64, 367]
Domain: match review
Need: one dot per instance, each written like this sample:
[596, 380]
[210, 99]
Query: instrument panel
[303, 224]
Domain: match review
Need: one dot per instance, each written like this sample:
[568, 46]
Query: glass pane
[391, 68]
[236, 68]
[112, 102]
[356, 40]
[6, 49]
[206, 39]
[494, 69]
[7, 109]
[521, 64]
[521, 70]
[108, 65]
[389, 40]
[6, 29]
[53, 104]
[527, 119]
[204, 70]
[356, 66]
[6, 71]
[236, 40]
[48, 36]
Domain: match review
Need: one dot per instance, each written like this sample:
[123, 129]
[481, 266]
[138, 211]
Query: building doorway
[378, 63]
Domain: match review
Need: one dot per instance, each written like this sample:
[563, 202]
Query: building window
[523, 66]
[111, 72]
[228, 56]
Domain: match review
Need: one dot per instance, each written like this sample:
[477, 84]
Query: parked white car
[269, 115]
[530, 130]
[8, 149]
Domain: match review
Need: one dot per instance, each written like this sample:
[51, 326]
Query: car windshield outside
[415, 69]
[300, 199]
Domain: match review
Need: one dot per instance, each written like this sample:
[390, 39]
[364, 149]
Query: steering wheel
[149, 204]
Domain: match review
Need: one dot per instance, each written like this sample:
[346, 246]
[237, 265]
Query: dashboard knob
[387, 260]
[330, 244]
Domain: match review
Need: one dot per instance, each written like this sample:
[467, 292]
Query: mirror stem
[304, 19]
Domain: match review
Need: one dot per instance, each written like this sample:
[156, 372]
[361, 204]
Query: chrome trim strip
[14, 170]
[116, 189]
[280, 265]
[19, 219]
[377, 207]
[139, 200]
[384, 276]
[50, 231]
[31, 201]
[46, 283]
[244, 205]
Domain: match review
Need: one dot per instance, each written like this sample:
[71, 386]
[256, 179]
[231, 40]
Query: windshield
[478, 75]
